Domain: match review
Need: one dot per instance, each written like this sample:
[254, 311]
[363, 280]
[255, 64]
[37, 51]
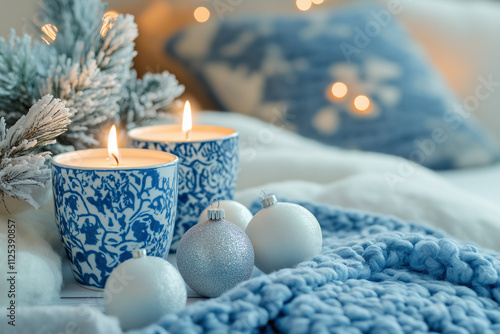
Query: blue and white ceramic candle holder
[104, 211]
[208, 166]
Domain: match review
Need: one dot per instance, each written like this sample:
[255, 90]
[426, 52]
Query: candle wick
[116, 158]
[188, 132]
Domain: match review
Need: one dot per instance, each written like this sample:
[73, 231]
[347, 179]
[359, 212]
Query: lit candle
[185, 132]
[208, 164]
[112, 158]
[130, 158]
[113, 152]
[109, 201]
[187, 123]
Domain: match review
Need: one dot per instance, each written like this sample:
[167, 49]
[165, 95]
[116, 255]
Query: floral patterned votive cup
[104, 211]
[208, 166]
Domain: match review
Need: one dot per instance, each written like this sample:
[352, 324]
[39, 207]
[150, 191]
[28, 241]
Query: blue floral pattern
[102, 215]
[206, 170]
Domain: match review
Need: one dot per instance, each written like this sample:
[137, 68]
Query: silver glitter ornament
[215, 255]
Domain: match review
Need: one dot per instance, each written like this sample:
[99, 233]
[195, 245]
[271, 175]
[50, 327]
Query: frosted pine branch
[91, 95]
[92, 69]
[89, 66]
[46, 119]
[78, 23]
[22, 166]
[19, 71]
[116, 49]
[145, 98]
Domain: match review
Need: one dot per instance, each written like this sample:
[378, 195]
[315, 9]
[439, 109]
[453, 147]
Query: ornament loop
[263, 193]
[215, 213]
[212, 203]
[137, 253]
[267, 200]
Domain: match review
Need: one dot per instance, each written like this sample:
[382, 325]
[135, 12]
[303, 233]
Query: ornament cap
[267, 200]
[137, 253]
[216, 213]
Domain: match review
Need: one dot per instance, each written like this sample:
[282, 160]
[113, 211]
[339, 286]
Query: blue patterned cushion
[282, 68]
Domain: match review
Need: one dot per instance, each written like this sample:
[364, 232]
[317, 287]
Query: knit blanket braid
[375, 274]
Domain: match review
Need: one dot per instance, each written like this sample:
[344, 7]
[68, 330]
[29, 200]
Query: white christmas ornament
[283, 235]
[143, 289]
[235, 212]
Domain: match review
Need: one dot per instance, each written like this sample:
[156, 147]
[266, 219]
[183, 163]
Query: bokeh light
[304, 5]
[201, 14]
[318, 2]
[339, 90]
[49, 33]
[108, 21]
[362, 104]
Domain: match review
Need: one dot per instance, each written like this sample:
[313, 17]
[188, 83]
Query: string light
[49, 33]
[304, 5]
[108, 21]
[362, 104]
[201, 14]
[339, 90]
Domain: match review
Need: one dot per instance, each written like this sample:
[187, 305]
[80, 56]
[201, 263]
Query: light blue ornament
[215, 255]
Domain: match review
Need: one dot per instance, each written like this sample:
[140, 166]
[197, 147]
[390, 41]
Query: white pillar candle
[208, 164]
[181, 133]
[131, 158]
[174, 133]
[109, 201]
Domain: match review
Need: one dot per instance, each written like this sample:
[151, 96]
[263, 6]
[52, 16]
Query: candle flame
[113, 153]
[187, 123]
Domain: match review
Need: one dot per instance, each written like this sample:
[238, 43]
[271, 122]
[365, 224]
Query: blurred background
[460, 37]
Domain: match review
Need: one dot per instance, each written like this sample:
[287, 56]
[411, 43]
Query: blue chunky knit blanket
[376, 274]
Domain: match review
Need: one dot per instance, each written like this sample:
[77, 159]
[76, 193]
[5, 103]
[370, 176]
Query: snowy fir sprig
[86, 61]
[62, 91]
[22, 165]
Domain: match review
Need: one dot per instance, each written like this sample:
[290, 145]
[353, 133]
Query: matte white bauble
[283, 235]
[143, 289]
[236, 213]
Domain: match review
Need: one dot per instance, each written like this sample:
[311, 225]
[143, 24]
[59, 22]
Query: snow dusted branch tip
[22, 165]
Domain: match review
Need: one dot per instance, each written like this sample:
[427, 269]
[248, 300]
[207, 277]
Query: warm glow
[49, 33]
[201, 14]
[187, 123]
[362, 104]
[113, 153]
[108, 21]
[304, 5]
[318, 2]
[339, 90]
